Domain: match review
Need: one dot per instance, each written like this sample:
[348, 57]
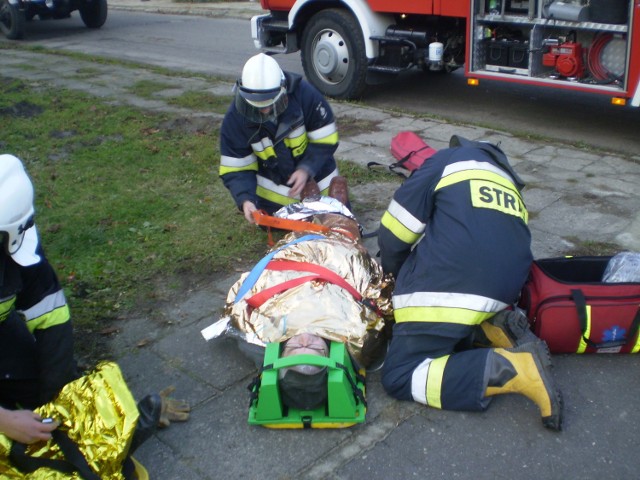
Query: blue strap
[255, 273]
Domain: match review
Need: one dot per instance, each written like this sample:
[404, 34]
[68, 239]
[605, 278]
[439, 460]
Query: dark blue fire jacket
[257, 159]
[456, 238]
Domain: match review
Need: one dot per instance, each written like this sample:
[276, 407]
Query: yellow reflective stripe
[330, 140]
[398, 229]
[55, 317]
[636, 347]
[266, 154]
[231, 164]
[274, 197]
[434, 381]
[298, 144]
[484, 193]
[469, 301]
[466, 175]
[405, 217]
[460, 316]
[263, 149]
[582, 346]
[279, 194]
[5, 307]
[475, 165]
[325, 135]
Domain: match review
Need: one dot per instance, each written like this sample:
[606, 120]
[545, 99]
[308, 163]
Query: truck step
[386, 69]
[395, 40]
[275, 24]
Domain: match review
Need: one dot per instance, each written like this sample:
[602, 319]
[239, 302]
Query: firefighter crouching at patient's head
[278, 133]
[261, 92]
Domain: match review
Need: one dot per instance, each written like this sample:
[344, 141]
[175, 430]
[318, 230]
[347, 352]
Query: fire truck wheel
[333, 54]
[12, 20]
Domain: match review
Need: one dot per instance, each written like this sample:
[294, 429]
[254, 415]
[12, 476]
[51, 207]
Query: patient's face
[307, 344]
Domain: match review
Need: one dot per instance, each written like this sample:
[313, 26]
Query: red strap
[321, 273]
[324, 273]
[259, 298]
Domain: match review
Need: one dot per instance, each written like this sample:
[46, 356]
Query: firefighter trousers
[427, 363]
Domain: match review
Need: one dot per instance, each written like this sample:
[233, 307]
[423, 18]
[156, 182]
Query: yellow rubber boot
[525, 370]
[506, 329]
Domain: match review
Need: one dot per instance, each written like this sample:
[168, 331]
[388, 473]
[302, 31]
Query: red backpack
[410, 151]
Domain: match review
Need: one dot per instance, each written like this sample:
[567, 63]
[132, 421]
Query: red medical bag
[575, 312]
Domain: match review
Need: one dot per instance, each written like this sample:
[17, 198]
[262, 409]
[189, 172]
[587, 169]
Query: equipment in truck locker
[566, 58]
[583, 45]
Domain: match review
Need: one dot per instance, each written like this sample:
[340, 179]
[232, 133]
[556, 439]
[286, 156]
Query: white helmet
[261, 93]
[16, 202]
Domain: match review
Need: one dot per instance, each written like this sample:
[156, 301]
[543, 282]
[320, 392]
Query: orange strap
[263, 219]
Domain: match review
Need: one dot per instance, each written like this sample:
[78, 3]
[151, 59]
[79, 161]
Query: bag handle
[75, 461]
[585, 323]
[400, 163]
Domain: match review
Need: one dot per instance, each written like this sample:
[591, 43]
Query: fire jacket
[455, 235]
[36, 340]
[257, 159]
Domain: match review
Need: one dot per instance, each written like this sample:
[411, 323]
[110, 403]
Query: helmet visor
[261, 106]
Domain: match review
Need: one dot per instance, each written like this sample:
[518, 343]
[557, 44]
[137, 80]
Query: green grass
[128, 203]
[123, 203]
[148, 88]
[202, 102]
[197, 101]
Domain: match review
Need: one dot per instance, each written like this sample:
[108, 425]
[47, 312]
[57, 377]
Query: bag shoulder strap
[75, 461]
[585, 323]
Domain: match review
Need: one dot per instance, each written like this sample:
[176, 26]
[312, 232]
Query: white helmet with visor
[261, 93]
[16, 203]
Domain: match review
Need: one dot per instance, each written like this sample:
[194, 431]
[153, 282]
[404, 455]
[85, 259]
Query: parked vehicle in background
[14, 14]
[562, 44]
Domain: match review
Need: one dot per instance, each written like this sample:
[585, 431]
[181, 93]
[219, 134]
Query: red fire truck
[582, 45]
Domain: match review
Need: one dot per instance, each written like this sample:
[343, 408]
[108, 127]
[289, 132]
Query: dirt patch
[191, 125]
[351, 126]
[592, 249]
[22, 110]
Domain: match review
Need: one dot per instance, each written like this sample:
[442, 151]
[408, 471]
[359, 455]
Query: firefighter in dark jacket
[36, 340]
[278, 134]
[455, 236]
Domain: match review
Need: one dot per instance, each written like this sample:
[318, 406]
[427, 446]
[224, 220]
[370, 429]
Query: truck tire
[333, 54]
[93, 12]
[12, 20]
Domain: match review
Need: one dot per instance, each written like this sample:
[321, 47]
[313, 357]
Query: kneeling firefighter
[314, 309]
[456, 239]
